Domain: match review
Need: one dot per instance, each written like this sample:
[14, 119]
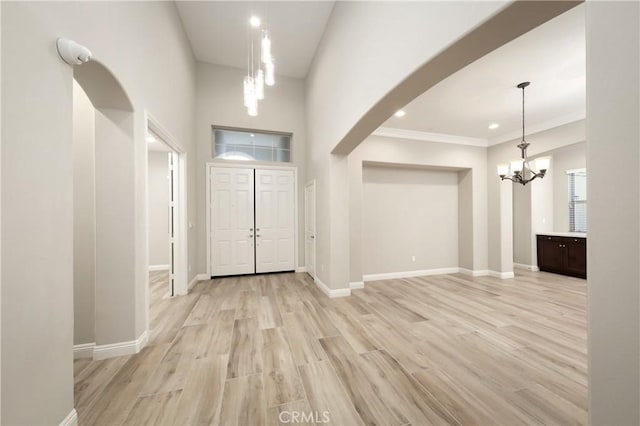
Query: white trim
[158, 268]
[84, 350]
[540, 127]
[121, 348]
[392, 132]
[311, 183]
[356, 285]
[199, 277]
[71, 419]
[410, 274]
[301, 269]
[533, 268]
[332, 293]
[474, 273]
[501, 275]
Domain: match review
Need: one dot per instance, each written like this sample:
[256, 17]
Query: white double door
[252, 220]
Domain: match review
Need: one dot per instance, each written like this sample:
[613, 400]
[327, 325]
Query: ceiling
[218, 31]
[551, 57]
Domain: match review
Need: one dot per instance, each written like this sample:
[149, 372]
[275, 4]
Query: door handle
[257, 235]
[312, 237]
[250, 229]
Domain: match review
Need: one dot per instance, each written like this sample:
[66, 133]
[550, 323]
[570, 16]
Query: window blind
[577, 180]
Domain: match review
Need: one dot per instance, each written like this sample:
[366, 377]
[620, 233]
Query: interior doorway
[166, 214]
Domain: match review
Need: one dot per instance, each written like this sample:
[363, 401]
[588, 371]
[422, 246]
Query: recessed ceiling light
[252, 135]
[150, 139]
[254, 21]
[493, 126]
[400, 113]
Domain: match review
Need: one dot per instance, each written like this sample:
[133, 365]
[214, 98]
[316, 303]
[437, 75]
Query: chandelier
[521, 171]
[260, 72]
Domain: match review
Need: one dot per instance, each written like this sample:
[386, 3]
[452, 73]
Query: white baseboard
[301, 269]
[84, 350]
[332, 293]
[71, 419]
[476, 273]
[356, 285]
[158, 268]
[410, 274]
[501, 275]
[121, 348]
[532, 268]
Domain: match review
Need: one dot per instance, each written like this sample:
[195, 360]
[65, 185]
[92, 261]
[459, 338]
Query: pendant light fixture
[520, 171]
[260, 72]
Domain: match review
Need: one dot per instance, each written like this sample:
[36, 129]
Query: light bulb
[249, 91]
[254, 21]
[503, 169]
[266, 46]
[259, 81]
[252, 109]
[516, 167]
[269, 77]
[542, 164]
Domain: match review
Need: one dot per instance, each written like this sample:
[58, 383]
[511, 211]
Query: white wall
[84, 218]
[159, 192]
[134, 40]
[409, 213]
[613, 156]
[569, 158]
[219, 102]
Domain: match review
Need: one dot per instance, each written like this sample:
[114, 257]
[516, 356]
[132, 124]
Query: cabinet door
[551, 255]
[576, 257]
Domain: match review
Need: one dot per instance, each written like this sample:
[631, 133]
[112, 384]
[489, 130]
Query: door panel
[232, 219]
[310, 227]
[275, 223]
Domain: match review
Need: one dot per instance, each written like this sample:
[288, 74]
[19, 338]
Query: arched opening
[106, 294]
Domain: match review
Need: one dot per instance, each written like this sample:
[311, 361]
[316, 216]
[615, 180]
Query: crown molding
[540, 127]
[392, 132]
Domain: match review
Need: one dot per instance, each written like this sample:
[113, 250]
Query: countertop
[565, 234]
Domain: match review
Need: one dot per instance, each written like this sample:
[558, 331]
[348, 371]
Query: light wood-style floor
[435, 350]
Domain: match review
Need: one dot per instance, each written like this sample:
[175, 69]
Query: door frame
[180, 219]
[245, 165]
[312, 183]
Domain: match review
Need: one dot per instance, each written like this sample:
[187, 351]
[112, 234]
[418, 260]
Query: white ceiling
[551, 57]
[218, 31]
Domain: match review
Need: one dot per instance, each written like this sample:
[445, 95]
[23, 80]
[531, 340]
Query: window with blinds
[577, 200]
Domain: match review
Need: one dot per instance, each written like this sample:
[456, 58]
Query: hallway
[433, 350]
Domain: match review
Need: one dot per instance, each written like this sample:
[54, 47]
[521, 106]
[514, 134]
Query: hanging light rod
[521, 171]
[260, 69]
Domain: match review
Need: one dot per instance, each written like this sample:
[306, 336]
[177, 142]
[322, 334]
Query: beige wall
[37, 180]
[468, 162]
[158, 204]
[341, 88]
[613, 155]
[220, 103]
[409, 213]
[542, 206]
[500, 194]
[84, 217]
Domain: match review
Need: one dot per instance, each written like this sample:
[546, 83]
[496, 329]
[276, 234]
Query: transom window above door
[251, 145]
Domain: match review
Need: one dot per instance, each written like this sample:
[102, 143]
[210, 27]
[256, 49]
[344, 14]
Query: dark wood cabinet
[563, 255]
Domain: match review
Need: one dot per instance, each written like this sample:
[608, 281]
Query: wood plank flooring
[435, 350]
